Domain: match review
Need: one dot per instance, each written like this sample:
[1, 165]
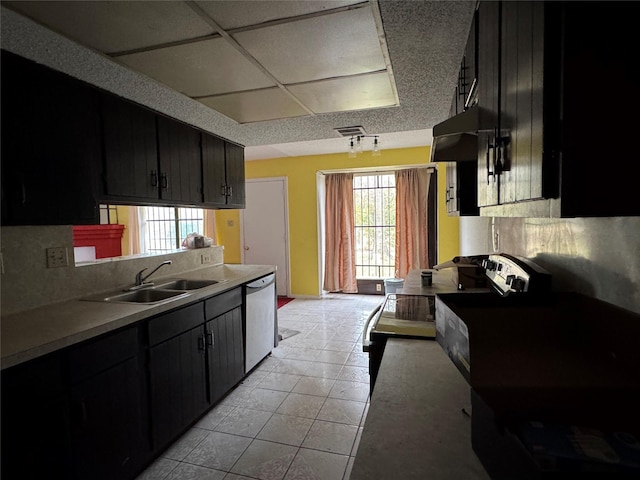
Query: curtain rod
[374, 170]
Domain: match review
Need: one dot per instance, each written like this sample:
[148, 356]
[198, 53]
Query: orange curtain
[412, 189]
[340, 259]
[134, 230]
[209, 221]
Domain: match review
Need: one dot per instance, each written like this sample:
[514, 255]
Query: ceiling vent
[353, 131]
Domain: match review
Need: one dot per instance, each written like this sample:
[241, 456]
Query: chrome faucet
[140, 279]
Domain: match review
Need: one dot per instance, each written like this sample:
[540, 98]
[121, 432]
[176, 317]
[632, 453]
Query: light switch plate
[57, 257]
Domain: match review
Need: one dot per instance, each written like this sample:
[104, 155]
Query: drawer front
[95, 356]
[222, 303]
[164, 327]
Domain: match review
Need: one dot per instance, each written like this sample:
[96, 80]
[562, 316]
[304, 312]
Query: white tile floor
[298, 415]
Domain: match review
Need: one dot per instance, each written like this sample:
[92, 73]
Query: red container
[106, 238]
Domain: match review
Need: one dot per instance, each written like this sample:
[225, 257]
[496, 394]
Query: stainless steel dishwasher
[261, 334]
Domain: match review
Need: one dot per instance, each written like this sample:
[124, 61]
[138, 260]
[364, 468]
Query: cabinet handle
[164, 181]
[230, 191]
[210, 339]
[24, 194]
[490, 147]
[83, 407]
[154, 178]
[201, 343]
[223, 190]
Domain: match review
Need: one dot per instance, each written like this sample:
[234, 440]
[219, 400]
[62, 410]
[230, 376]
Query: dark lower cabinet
[103, 409]
[178, 385]
[225, 342]
[36, 441]
[109, 425]
[108, 432]
[225, 354]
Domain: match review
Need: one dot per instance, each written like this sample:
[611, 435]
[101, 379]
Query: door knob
[246, 248]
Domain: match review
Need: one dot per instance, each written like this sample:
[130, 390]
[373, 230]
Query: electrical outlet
[378, 287]
[57, 257]
[206, 258]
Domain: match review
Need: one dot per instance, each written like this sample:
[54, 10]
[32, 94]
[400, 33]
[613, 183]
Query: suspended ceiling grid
[284, 71]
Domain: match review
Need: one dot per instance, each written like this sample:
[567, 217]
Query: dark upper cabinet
[149, 158]
[461, 194]
[50, 146]
[488, 99]
[130, 150]
[234, 155]
[223, 173]
[68, 146]
[180, 168]
[213, 171]
[466, 88]
[510, 97]
[550, 73]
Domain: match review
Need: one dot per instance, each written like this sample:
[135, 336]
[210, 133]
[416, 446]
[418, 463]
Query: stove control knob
[490, 265]
[517, 284]
[509, 279]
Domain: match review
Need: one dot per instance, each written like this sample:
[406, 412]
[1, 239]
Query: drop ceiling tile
[116, 26]
[255, 106]
[342, 94]
[199, 69]
[233, 14]
[339, 44]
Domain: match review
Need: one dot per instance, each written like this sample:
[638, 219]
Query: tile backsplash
[27, 282]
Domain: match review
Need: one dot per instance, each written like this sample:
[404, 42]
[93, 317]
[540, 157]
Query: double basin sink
[153, 294]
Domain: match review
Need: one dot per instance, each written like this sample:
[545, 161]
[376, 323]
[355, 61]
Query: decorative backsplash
[27, 283]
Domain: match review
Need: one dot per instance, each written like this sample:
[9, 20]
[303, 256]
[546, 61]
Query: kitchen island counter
[32, 333]
[418, 425]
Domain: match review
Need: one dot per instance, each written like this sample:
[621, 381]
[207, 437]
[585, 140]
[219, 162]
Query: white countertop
[416, 427]
[32, 333]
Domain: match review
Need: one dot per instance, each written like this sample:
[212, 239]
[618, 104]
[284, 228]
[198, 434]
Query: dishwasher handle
[259, 284]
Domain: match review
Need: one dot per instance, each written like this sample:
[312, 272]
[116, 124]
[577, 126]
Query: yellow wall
[303, 231]
[123, 219]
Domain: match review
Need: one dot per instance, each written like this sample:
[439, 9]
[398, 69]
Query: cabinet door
[213, 170]
[35, 421]
[50, 146]
[488, 100]
[109, 439]
[521, 100]
[178, 385]
[130, 150]
[180, 162]
[234, 156]
[225, 353]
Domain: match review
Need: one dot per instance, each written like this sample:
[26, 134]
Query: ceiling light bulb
[358, 145]
[376, 148]
[352, 151]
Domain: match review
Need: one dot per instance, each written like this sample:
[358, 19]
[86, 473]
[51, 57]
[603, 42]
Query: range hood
[456, 139]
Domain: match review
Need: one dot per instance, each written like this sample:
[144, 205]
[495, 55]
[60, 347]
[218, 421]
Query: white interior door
[265, 228]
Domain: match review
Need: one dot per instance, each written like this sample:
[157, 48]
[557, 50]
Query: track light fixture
[356, 145]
